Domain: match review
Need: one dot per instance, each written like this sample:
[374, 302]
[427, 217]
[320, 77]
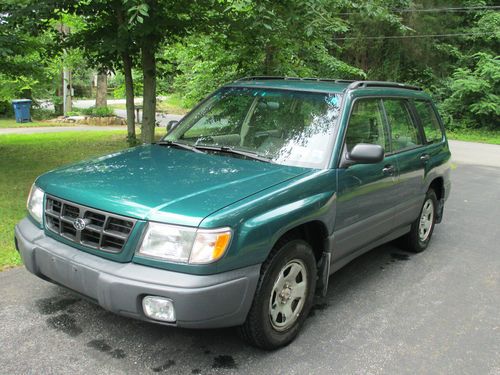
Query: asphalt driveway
[388, 312]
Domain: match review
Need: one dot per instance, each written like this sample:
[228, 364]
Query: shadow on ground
[167, 349]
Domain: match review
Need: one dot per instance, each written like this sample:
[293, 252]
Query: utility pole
[66, 77]
[67, 91]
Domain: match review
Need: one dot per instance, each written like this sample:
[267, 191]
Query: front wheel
[283, 298]
[421, 231]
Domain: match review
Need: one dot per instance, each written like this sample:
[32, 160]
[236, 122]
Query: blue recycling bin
[22, 110]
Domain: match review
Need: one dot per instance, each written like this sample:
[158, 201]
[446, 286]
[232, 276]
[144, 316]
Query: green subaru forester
[240, 214]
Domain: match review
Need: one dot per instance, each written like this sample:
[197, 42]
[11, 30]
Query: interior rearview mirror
[171, 125]
[363, 153]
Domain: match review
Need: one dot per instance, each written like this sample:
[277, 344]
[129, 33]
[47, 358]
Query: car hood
[163, 184]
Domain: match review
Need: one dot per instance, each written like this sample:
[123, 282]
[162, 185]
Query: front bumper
[200, 301]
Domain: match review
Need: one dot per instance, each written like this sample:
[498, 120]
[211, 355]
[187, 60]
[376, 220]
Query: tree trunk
[101, 90]
[149, 92]
[129, 97]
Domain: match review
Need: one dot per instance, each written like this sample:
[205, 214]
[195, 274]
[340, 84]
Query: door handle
[425, 157]
[388, 169]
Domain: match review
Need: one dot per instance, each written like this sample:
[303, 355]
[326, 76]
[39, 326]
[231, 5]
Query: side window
[366, 124]
[404, 131]
[430, 123]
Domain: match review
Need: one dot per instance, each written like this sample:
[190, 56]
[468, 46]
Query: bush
[6, 109]
[474, 94]
[98, 112]
[41, 114]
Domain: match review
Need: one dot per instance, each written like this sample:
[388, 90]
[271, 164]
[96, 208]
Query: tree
[108, 43]
[154, 23]
[289, 37]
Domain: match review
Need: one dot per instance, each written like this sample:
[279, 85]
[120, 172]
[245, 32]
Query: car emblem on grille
[79, 223]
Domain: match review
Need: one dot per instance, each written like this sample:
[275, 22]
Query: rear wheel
[421, 231]
[283, 297]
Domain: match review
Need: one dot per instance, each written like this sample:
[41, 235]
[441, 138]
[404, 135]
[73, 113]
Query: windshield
[286, 127]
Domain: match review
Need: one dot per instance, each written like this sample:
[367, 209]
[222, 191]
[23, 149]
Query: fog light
[158, 308]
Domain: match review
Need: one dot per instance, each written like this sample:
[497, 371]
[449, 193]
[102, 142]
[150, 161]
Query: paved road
[388, 312]
[162, 120]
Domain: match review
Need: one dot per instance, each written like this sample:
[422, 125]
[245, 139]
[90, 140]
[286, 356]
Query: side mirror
[363, 153]
[171, 125]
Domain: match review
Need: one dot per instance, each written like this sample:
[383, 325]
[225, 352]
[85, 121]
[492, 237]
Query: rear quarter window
[429, 120]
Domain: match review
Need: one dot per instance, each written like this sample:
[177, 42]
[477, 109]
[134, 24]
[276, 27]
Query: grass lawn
[474, 135]
[172, 104]
[26, 156]
[11, 123]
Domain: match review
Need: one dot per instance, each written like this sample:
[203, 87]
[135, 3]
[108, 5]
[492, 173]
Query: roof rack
[285, 78]
[365, 84]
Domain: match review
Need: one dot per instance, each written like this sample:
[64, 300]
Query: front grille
[103, 231]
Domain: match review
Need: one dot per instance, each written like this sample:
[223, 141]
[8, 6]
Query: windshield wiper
[231, 150]
[184, 146]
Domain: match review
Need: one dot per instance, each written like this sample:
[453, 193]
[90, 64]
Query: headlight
[183, 244]
[35, 203]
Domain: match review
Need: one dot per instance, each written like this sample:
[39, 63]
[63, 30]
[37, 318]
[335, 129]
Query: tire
[275, 319]
[422, 228]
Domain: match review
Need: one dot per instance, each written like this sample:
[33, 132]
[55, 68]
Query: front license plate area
[64, 272]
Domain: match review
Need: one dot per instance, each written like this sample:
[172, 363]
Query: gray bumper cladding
[200, 301]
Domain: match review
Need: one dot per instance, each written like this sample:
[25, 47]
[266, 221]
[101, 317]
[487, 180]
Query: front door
[365, 194]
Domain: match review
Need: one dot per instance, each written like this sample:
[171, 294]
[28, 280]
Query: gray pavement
[475, 153]
[388, 312]
[161, 118]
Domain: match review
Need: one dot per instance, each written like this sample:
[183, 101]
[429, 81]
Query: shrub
[474, 94]
[98, 112]
[6, 109]
[42, 113]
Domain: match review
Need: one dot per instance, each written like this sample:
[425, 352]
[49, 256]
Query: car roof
[324, 85]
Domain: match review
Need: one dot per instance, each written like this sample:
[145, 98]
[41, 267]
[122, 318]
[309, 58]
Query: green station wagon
[240, 214]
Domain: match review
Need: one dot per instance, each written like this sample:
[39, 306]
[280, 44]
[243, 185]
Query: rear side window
[366, 124]
[404, 131]
[430, 123]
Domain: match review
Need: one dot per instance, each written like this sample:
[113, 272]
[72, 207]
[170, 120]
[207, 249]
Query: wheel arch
[316, 234]
[437, 184]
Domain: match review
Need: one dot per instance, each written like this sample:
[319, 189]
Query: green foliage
[98, 112]
[118, 84]
[6, 109]
[474, 94]
[290, 37]
[191, 47]
[201, 74]
[474, 135]
[41, 114]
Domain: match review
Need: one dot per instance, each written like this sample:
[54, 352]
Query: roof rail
[365, 84]
[285, 78]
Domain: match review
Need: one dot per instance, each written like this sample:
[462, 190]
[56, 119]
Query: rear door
[365, 191]
[411, 156]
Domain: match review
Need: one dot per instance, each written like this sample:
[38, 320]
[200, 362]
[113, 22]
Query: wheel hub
[288, 295]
